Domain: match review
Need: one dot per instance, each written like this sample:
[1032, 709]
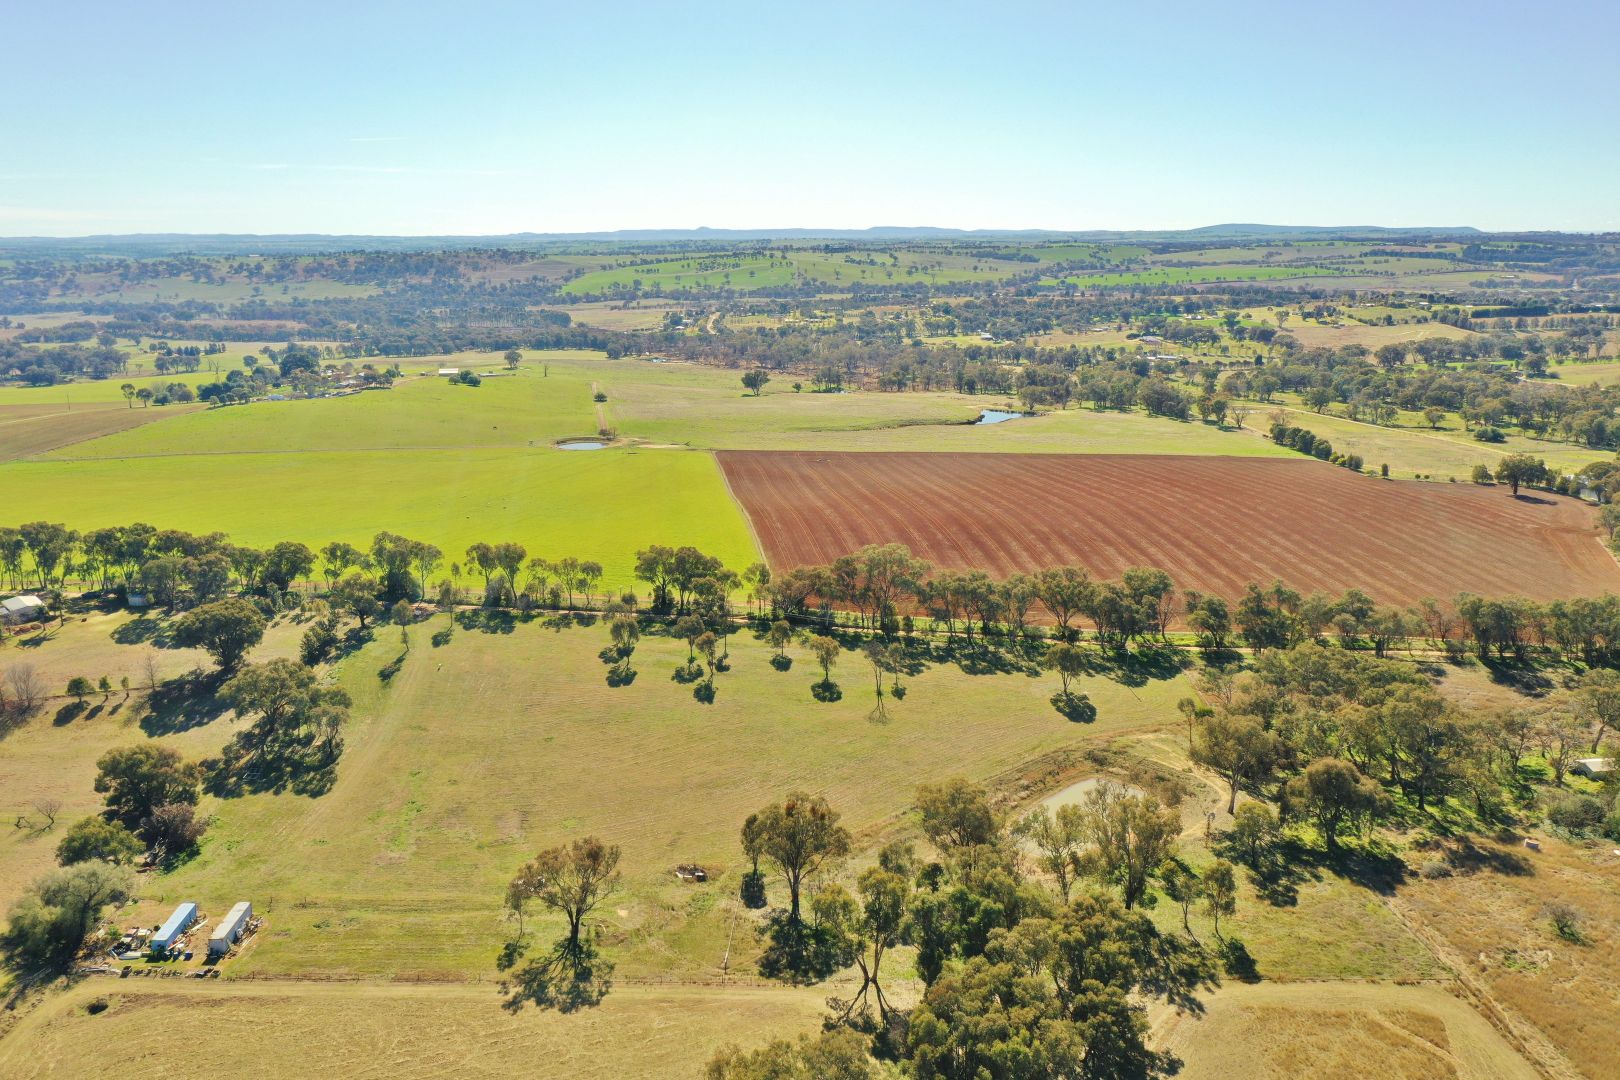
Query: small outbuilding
[1592, 767]
[173, 927]
[230, 929]
[21, 609]
[449, 372]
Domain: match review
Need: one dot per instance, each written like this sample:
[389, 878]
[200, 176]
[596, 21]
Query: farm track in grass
[1214, 524]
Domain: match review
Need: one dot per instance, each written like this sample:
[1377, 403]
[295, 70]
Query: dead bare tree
[27, 688]
[48, 809]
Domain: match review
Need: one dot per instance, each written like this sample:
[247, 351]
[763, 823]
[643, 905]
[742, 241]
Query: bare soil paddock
[1214, 524]
[26, 430]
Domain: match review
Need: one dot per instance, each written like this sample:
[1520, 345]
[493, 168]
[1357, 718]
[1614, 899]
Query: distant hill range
[303, 243]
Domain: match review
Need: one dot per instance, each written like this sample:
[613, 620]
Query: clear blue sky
[413, 117]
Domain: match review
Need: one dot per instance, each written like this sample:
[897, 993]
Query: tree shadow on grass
[567, 977]
[181, 704]
[982, 658]
[1074, 707]
[1137, 668]
[826, 691]
[1276, 871]
[1467, 857]
[352, 642]
[487, 620]
[296, 764]
[568, 620]
[143, 630]
[1523, 678]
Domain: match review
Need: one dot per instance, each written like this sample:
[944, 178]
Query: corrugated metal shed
[177, 924]
[229, 929]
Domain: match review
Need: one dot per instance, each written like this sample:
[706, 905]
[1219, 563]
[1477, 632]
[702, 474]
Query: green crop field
[1187, 276]
[600, 505]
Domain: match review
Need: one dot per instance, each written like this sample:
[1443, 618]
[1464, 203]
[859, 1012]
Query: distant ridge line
[288, 243]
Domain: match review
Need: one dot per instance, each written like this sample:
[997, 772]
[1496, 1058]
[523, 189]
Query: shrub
[1566, 920]
[1577, 813]
[1488, 434]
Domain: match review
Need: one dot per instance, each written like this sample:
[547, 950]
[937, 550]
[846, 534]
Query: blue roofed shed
[177, 924]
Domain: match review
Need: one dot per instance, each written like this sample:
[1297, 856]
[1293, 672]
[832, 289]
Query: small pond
[1076, 793]
[582, 444]
[997, 416]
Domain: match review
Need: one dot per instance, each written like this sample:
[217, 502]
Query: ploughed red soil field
[1214, 524]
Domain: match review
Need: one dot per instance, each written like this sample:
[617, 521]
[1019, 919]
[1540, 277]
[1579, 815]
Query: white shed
[1593, 767]
[21, 609]
[229, 930]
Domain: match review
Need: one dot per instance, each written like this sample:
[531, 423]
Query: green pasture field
[1412, 447]
[423, 410]
[506, 739]
[1591, 373]
[1186, 276]
[706, 407]
[92, 391]
[600, 505]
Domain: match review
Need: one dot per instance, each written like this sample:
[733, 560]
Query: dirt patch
[1338, 1030]
[1489, 920]
[1214, 524]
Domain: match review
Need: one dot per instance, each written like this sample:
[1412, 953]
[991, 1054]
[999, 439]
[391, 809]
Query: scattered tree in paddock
[1219, 890]
[825, 650]
[1522, 469]
[800, 835]
[570, 879]
[225, 629]
[358, 595]
[1059, 838]
[1240, 748]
